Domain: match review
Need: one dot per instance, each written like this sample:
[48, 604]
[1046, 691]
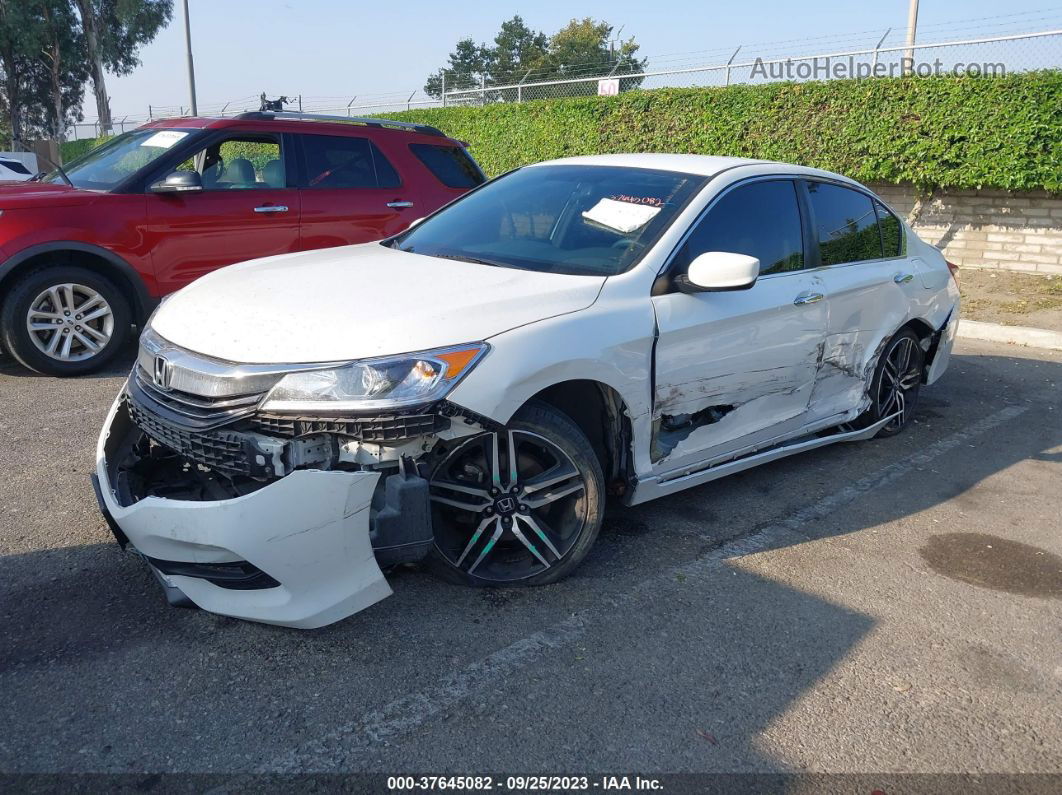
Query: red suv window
[333, 161]
[450, 164]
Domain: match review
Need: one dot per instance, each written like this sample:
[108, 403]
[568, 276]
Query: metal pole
[300, 103]
[150, 117]
[732, 57]
[520, 86]
[410, 99]
[912, 25]
[878, 47]
[188, 51]
[351, 103]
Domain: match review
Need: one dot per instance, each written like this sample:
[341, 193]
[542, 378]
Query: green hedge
[74, 149]
[937, 132]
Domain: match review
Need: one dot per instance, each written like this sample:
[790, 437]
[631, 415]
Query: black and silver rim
[900, 377]
[507, 506]
[70, 322]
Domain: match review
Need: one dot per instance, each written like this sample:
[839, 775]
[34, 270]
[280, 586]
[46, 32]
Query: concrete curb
[1016, 335]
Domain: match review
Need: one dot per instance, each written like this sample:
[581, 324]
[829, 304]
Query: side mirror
[179, 182]
[719, 271]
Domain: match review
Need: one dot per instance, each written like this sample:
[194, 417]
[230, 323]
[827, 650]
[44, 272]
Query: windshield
[105, 167]
[579, 220]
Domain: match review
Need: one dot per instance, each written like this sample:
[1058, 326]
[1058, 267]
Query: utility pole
[191, 66]
[912, 26]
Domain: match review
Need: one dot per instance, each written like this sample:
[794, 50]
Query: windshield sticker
[621, 216]
[164, 139]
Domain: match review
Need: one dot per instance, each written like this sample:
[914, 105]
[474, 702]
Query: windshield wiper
[56, 166]
[475, 260]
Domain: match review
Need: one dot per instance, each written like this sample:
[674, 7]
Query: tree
[583, 48]
[19, 42]
[468, 65]
[517, 50]
[114, 31]
[64, 70]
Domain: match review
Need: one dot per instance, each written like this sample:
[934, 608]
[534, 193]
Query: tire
[885, 386]
[555, 512]
[55, 294]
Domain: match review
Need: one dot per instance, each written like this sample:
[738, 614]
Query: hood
[357, 302]
[14, 195]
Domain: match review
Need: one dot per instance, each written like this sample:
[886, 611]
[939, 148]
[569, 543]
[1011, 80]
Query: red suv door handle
[399, 205]
[271, 208]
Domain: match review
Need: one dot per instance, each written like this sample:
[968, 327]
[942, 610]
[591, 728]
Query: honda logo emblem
[505, 505]
[163, 375]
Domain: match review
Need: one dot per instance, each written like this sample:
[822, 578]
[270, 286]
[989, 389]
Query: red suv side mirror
[178, 182]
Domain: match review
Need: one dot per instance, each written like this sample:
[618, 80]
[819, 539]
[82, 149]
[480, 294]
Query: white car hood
[356, 302]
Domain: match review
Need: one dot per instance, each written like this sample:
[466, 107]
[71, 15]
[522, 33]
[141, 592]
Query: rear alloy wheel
[517, 506]
[896, 385]
[65, 321]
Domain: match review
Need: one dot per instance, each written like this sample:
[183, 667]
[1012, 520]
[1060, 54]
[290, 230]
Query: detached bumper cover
[308, 531]
[942, 357]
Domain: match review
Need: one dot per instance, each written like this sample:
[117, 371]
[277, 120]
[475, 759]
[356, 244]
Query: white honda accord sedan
[469, 392]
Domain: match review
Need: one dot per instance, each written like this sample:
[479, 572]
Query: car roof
[702, 165]
[298, 122]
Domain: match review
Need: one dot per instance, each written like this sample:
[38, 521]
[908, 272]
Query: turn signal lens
[457, 361]
[954, 271]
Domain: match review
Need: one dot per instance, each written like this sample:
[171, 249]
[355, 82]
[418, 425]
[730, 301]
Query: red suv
[88, 251]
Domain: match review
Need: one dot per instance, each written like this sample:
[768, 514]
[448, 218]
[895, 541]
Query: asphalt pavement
[893, 605]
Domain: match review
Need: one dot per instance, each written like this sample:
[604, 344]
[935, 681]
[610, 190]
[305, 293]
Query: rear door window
[451, 165]
[332, 161]
[846, 224]
[760, 219]
[892, 237]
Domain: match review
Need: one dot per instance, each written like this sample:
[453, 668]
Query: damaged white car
[470, 391]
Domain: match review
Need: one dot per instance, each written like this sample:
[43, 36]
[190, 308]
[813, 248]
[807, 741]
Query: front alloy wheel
[64, 320]
[517, 506]
[70, 322]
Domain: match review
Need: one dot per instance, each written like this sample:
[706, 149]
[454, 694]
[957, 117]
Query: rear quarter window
[451, 165]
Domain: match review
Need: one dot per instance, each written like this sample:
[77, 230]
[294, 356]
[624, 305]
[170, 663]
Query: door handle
[902, 278]
[399, 205]
[271, 208]
[807, 298]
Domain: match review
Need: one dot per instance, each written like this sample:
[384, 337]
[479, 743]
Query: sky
[332, 50]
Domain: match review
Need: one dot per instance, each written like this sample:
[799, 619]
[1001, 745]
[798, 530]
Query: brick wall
[1011, 230]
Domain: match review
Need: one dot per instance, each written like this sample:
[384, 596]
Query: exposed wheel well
[929, 339]
[82, 259]
[920, 327]
[601, 414]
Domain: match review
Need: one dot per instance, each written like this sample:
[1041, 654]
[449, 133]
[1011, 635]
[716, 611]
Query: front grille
[222, 451]
[366, 429]
[194, 412]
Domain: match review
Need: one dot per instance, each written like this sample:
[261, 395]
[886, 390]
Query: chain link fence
[993, 56]
[988, 55]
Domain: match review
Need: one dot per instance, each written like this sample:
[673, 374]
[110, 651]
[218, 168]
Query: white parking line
[330, 752]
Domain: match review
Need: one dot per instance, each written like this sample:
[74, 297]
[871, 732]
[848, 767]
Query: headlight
[389, 382]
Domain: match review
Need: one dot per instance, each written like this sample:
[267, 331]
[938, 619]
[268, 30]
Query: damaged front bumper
[296, 551]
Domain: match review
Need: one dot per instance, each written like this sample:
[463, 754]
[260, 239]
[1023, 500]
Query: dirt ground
[1014, 299]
